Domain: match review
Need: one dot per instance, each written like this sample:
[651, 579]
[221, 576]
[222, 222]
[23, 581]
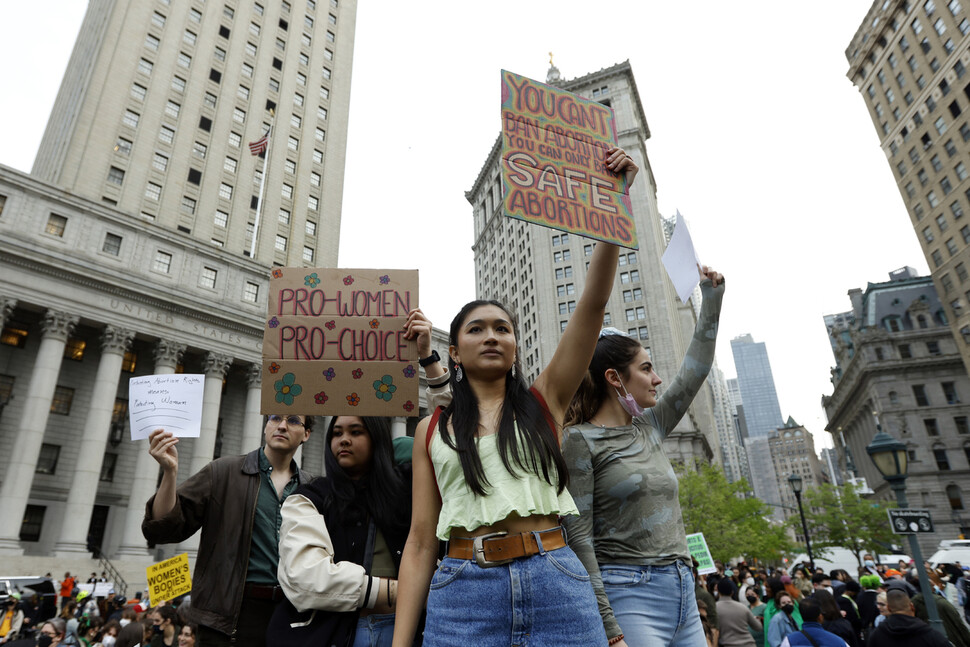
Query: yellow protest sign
[169, 579]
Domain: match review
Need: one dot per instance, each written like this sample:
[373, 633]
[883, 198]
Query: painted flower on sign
[384, 388]
[353, 399]
[409, 406]
[409, 371]
[331, 324]
[311, 280]
[320, 398]
[348, 279]
[274, 322]
[374, 323]
[385, 279]
[287, 389]
[277, 273]
[329, 373]
[274, 368]
[358, 373]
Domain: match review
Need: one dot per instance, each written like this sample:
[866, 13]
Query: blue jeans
[654, 605]
[375, 630]
[538, 601]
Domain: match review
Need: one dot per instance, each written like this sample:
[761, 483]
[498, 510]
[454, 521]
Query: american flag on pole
[259, 146]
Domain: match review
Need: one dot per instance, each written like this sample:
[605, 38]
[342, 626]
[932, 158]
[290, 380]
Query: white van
[950, 552]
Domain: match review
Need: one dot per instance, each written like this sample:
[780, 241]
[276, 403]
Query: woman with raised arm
[630, 533]
[489, 478]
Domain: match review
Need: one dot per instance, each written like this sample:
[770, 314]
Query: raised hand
[162, 448]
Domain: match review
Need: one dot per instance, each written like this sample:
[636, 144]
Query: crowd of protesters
[881, 606]
[73, 616]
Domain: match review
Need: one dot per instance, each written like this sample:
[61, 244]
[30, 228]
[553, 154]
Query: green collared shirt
[264, 551]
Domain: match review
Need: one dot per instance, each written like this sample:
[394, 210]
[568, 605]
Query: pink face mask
[629, 404]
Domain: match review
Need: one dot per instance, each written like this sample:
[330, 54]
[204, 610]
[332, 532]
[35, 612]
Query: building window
[225, 191]
[281, 243]
[317, 156]
[287, 191]
[308, 254]
[314, 179]
[188, 205]
[311, 228]
[292, 143]
[130, 119]
[239, 115]
[313, 203]
[208, 277]
[166, 135]
[950, 392]
[112, 244]
[229, 165]
[284, 216]
[250, 49]
[61, 403]
[919, 392]
[162, 262]
[250, 292]
[56, 225]
[320, 134]
[942, 462]
[33, 522]
[298, 99]
[932, 429]
[153, 191]
[962, 424]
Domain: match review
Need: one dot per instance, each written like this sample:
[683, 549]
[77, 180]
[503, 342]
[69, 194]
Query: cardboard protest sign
[172, 402]
[554, 146]
[168, 579]
[333, 343]
[697, 546]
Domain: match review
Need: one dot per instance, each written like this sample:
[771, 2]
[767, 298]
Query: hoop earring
[513, 372]
[458, 373]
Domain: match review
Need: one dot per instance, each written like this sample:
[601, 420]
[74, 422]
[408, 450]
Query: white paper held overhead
[681, 261]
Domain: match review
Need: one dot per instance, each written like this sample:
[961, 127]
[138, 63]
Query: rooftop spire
[552, 76]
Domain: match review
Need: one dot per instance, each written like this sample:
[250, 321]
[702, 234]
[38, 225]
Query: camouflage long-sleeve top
[622, 481]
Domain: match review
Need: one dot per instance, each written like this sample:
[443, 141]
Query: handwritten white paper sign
[169, 402]
[680, 260]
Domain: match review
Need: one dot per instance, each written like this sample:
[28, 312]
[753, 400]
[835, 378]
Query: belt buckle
[478, 549]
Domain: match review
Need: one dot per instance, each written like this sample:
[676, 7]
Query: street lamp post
[795, 481]
[890, 458]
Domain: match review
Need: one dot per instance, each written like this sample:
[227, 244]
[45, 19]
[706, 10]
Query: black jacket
[900, 630]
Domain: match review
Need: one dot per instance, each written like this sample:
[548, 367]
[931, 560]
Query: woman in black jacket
[341, 541]
[833, 620]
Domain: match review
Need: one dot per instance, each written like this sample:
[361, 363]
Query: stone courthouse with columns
[129, 251]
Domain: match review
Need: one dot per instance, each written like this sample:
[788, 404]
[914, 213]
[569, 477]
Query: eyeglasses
[291, 421]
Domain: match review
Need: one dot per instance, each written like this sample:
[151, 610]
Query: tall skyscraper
[540, 272]
[125, 253]
[762, 415]
[733, 457]
[792, 451]
[909, 60]
[158, 104]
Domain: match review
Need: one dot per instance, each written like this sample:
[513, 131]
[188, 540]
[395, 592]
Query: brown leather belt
[263, 592]
[501, 548]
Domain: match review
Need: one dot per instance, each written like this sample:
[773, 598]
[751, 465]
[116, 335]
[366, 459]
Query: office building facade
[909, 61]
[899, 361]
[792, 450]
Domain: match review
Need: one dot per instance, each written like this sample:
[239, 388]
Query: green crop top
[523, 493]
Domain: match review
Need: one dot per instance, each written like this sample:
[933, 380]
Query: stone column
[253, 419]
[7, 306]
[167, 356]
[399, 427]
[19, 474]
[115, 342]
[216, 367]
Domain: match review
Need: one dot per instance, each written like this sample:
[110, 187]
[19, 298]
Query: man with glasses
[236, 502]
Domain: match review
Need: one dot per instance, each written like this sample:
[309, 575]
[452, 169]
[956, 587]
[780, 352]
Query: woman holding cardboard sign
[630, 533]
[493, 457]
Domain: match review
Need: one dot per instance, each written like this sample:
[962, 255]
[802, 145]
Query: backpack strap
[432, 427]
[810, 639]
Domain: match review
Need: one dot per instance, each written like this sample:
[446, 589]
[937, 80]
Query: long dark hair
[612, 351]
[380, 492]
[520, 408]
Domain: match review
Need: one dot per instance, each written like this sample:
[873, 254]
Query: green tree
[733, 525]
[837, 517]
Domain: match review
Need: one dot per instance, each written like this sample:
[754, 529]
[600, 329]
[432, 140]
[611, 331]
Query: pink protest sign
[333, 343]
[553, 148]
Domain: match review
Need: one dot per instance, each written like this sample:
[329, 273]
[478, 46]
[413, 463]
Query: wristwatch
[430, 359]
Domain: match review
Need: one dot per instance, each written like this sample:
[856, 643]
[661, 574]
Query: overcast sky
[758, 138]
